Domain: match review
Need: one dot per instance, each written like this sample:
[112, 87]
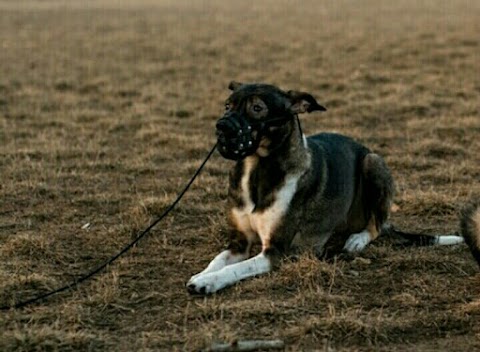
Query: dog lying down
[287, 190]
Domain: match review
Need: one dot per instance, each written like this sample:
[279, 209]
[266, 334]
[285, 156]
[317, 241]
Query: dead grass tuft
[105, 291]
[427, 204]
[308, 273]
[28, 285]
[49, 339]
[29, 246]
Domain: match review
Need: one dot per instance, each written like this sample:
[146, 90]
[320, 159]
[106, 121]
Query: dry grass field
[108, 107]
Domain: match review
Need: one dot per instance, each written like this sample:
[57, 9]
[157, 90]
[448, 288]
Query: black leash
[116, 256]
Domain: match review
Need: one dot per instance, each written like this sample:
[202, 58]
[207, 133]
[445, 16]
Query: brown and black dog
[288, 190]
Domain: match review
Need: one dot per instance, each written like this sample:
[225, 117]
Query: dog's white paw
[357, 242]
[204, 284]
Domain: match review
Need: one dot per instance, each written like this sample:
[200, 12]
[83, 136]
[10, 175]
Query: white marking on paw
[212, 282]
[357, 242]
[449, 240]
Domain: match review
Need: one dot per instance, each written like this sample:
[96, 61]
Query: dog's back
[343, 159]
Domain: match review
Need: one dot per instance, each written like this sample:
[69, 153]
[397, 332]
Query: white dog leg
[213, 281]
[222, 260]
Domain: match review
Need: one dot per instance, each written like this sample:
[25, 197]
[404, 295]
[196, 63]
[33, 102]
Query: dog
[288, 191]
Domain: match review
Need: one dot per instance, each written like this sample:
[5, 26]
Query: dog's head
[258, 118]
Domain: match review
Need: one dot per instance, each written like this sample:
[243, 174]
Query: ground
[108, 107]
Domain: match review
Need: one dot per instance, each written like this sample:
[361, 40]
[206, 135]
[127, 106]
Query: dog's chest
[264, 222]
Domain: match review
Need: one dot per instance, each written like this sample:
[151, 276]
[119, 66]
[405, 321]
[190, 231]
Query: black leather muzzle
[238, 137]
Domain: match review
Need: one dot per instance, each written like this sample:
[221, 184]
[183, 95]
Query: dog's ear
[303, 102]
[234, 85]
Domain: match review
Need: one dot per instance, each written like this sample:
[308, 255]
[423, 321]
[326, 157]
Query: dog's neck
[289, 153]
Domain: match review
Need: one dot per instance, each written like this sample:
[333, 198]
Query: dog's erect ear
[234, 85]
[303, 102]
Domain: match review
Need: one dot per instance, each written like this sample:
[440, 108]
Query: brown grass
[107, 108]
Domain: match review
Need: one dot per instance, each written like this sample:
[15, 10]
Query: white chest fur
[262, 223]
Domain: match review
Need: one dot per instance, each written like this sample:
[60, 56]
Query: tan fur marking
[263, 147]
[240, 217]
[372, 228]
[241, 223]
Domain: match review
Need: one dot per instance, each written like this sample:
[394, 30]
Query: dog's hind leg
[358, 241]
[378, 190]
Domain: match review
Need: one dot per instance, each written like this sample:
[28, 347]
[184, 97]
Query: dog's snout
[226, 127]
[236, 136]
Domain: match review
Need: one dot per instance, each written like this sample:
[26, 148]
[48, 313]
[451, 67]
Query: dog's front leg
[225, 258]
[213, 281]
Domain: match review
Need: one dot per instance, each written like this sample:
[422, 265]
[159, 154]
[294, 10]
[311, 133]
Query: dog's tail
[469, 233]
[406, 239]
[470, 228]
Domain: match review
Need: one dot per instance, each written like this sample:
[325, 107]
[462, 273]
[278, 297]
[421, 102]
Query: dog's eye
[227, 106]
[257, 108]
